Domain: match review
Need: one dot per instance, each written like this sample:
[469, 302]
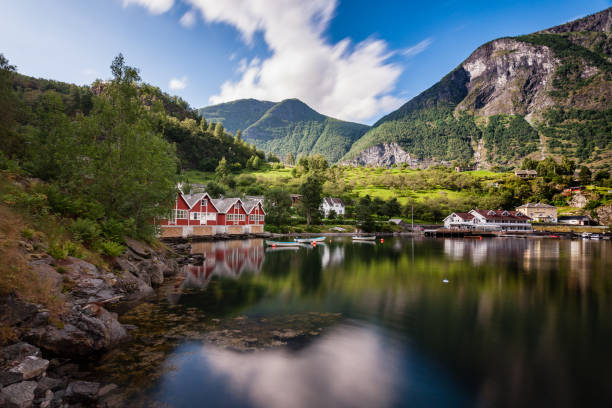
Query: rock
[48, 384]
[604, 214]
[31, 367]
[88, 284]
[18, 351]
[82, 391]
[133, 286]
[139, 248]
[48, 273]
[20, 395]
[14, 312]
[152, 272]
[8, 378]
[286, 334]
[84, 331]
[68, 370]
[578, 201]
[107, 389]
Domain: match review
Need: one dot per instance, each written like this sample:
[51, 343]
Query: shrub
[111, 248]
[85, 230]
[57, 250]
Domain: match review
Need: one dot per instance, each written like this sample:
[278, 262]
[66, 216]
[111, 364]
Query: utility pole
[412, 216]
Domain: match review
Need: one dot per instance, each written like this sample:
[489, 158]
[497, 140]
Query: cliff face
[558, 80]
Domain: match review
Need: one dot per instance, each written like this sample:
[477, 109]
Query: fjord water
[409, 322]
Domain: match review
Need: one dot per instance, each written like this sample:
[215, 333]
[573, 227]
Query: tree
[331, 215]
[363, 214]
[219, 130]
[601, 176]
[568, 166]
[277, 203]
[238, 136]
[256, 162]
[584, 175]
[290, 159]
[214, 189]
[311, 201]
[272, 158]
[529, 164]
[130, 168]
[392, 207]
[10, 144]
[222, 171]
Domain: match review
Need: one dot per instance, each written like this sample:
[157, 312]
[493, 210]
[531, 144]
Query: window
[261, 217]
[180, 214]
[195, 216]
[211, 216]
[241, 217]
[252, 218]
[204, 202]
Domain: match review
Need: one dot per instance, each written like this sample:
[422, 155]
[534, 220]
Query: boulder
[579, 201]
[87, 283]
[48, 273]
[20, 395]
[48, 384]
[84, 331]
[604, 214]
[18, 351]
[139, 248]
[8, 378]
[82, 391]
[31, 367]
[14, 312]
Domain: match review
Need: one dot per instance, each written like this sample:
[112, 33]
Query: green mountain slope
[289, 126]
[544, 93]
[236, 115]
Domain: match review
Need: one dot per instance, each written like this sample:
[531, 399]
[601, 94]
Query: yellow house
[539, 212]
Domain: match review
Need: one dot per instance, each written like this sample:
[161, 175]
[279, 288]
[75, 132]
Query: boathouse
[200, 215]
[489, 220]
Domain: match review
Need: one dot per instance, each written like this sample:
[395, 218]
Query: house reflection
[223, 259]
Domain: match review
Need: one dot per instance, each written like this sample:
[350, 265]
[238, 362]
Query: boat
[595, 236]
[364, 237]
[282, 243]
[586, 235]
[309, 240]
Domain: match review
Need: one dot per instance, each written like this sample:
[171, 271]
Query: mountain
[289, 126]
[236, 115]
[547, 93]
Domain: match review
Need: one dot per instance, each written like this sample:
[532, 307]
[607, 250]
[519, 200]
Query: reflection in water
[521, 322]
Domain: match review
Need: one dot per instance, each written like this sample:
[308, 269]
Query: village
[200, 215]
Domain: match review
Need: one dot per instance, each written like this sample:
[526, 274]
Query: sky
[350, 59]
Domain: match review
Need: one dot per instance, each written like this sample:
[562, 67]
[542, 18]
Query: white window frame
[180, 214]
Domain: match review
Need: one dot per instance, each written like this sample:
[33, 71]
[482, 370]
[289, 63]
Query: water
[420, 323]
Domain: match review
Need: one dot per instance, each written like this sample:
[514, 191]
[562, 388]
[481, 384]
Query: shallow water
[423, 322]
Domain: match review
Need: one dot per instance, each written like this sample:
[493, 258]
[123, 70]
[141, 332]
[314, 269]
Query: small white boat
[309, 240]
[595, 236]
[282, 243]
[586, 235]
[364, 237]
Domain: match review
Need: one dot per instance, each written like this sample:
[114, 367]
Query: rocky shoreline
[41, 369]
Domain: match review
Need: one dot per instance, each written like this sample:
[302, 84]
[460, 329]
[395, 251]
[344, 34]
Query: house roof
[251, 202]
[396, 220]
[331, 201]
[463, 216]
[536, 205]
[501, 215]
[224, 204]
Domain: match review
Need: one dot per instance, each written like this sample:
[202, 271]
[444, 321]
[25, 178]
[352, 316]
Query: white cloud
[177, 84]
[341, 80]
[417, 48]
[189, 19]
[154, 6]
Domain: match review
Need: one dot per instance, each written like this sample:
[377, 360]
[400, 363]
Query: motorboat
[282, 243]
[309, 240]
[364, 237]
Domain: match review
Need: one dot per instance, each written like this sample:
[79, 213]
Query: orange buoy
[314, 243]
[382, 240]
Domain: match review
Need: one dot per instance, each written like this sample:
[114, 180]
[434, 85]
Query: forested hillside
[544, 93]
[286, 127]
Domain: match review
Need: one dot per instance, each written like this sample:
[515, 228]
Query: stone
[107, 389]
[17, 352]
[48, 384]
[604, 214]
[20, 395]
[31, 367]
[578, 201]
[139, 248]
[48, 273]
[8, 378]
[82, 391]
[15, 312]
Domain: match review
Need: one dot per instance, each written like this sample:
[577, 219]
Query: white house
[335, 204]
[492, 220]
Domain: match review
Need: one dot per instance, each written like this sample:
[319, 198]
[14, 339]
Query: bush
[58, 251]
[111, 248]
[86, 231]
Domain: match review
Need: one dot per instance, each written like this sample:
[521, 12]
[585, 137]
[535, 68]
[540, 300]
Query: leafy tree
[331, 215]
[391, 208]
[222, 171]
[584, 175]
[214, 189]
[311, 191]
[529, 164]
[290, 159]
[238, 136]
[363, 214]
[277, 202]
[219, 131]
[10, 142]
[272, 158]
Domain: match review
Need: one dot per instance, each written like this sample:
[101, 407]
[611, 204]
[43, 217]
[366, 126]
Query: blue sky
[352, 59]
